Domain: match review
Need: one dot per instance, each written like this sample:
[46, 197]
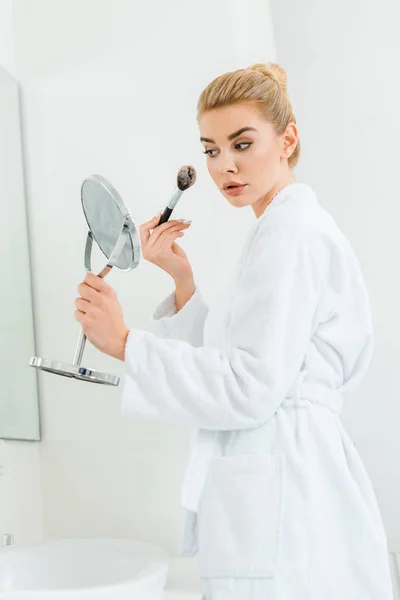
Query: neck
[265, 200]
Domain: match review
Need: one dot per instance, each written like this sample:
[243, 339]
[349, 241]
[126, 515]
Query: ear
[290, 138]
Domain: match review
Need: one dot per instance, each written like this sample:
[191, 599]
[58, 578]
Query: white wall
[342, 60]
[6, 36]
[111, 88]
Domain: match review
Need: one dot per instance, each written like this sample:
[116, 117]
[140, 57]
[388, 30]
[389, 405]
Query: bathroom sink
[87, 569]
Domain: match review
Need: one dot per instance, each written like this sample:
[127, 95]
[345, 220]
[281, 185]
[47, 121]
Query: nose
[227, 166]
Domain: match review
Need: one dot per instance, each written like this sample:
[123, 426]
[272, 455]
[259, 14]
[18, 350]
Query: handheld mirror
[112, 227]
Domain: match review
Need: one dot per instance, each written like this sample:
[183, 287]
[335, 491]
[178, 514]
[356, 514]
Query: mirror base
[75, 371]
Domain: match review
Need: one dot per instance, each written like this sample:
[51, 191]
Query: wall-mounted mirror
[19, 400]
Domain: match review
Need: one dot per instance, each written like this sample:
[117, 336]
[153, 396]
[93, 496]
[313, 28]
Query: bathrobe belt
[303, 392]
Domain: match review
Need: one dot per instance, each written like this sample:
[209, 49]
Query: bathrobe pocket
[240, 516]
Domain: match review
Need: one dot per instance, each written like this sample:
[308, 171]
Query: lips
[232, 184]
[236, 190]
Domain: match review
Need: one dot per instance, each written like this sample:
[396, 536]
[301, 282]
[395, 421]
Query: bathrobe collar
[292, 191]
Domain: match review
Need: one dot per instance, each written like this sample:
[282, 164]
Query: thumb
[145, 227]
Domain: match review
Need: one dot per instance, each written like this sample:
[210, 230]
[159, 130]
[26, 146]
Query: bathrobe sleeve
[272, 320]
[186, 324]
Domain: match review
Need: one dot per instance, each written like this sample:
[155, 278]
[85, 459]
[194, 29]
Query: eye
[208, 151]
[247, 144]
[244, 144]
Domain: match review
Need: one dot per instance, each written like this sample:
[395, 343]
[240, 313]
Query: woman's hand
[160, 248]
[100, 315]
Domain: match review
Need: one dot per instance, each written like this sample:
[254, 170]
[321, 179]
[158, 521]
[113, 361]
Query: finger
[79, 316]
[95, 282]
[150, 224]
[165, 229]
[146, 227]
[175, 234]
[167, 239]
[88, 293]
[82, 305]
[153, 224]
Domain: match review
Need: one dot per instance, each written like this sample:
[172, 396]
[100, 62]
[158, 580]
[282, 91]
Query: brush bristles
[186, 177]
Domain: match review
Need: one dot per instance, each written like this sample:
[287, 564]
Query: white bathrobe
[279, 505]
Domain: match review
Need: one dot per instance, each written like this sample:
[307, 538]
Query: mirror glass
[105, 214]
[19, 400]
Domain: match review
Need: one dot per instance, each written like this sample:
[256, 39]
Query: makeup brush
[185, 179]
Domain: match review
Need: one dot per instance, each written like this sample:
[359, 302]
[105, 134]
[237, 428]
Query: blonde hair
[263, 83]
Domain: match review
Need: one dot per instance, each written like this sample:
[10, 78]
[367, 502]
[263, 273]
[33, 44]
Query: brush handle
[165, 216]
[173, 201]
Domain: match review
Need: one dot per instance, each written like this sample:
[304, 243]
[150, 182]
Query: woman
[279, 505]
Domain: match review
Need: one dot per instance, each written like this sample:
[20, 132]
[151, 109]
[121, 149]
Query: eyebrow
[231, 136]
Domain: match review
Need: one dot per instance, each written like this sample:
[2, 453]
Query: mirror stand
[75, 369]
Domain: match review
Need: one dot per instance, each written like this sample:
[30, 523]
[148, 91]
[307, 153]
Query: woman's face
[257, 158]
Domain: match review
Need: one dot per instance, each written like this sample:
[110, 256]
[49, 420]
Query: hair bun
[273, 71]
